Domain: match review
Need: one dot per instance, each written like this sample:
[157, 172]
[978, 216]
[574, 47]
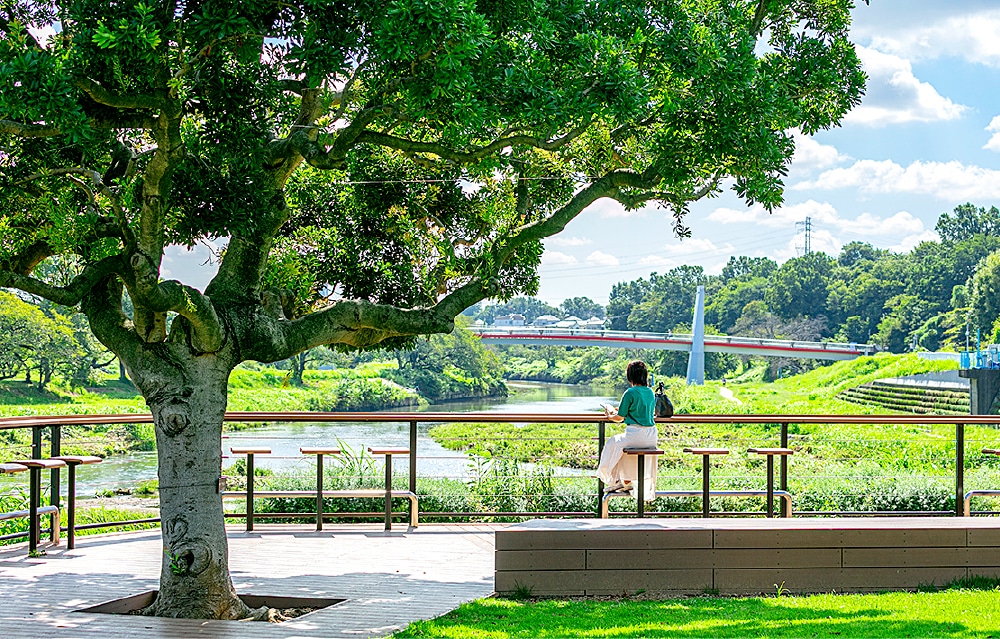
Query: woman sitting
[616, 469]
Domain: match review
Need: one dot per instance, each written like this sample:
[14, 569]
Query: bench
[72, 461]
[769, 493]
[34, 467]
[972, 493]
[320, 493]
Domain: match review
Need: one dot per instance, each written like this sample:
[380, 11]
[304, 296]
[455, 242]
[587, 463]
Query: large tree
[372, 169]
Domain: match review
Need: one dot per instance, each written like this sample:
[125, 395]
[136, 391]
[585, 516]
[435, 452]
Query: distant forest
[930, 298]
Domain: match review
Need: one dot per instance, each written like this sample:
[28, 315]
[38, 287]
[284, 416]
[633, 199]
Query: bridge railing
[553, 332]
[946, 433]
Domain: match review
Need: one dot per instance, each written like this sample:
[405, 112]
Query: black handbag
[663, 407]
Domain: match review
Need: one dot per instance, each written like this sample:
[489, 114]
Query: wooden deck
[744, 556]
[388, 579]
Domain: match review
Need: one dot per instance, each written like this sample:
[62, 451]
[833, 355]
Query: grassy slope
[953, 613]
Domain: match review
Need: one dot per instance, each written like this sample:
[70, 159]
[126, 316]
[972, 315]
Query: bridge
[548, 336]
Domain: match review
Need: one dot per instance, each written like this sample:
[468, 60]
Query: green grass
[952, 613]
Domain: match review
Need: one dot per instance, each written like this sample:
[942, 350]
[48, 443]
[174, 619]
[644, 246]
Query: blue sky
[925, 139]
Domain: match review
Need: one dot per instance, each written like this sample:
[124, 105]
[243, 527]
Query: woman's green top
[637, 406]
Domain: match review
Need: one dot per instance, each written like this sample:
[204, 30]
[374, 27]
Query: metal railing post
[413, 469]
[601, 433]
[783, 479]
[249, 492]
[959, 469]
[35, 491]
[55, 434]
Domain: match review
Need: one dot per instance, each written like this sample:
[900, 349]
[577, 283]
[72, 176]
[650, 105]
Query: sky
[925, 139]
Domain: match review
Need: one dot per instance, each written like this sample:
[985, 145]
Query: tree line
[924, 299]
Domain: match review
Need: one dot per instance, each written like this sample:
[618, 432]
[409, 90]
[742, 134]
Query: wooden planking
[389, 580]
[907, 557]
[541, 560]
[698, 558]
[752, 556]
[604, 581]
[983, 536]
[621, 538]
[760, 580]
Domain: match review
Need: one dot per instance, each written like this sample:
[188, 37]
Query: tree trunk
[299, 368]
[187, 396]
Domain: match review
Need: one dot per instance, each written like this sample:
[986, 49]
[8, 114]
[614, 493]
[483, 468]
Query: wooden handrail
[564, 418]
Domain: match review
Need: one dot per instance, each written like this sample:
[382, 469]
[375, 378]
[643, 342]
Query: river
[285, 439]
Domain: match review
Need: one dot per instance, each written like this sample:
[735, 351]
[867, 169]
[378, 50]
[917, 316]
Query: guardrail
[54, 424]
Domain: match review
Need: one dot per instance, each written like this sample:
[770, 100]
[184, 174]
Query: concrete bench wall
[743, 556]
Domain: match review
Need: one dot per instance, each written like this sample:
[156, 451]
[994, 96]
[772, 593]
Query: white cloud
[994, 141]
[556, 258]
[600, 258]
[951, 181]
[781, 218]
[907, 243]
[609, 208]
[691, 251]
[42, 34]
[569, 241]
[894, 95]
[826, 224]
[195, 267]
[939, 30]
[810, 154]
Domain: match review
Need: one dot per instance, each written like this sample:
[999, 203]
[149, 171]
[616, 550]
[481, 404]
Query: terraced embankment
[910, 398]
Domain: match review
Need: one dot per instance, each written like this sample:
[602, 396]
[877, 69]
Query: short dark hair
[637, 373]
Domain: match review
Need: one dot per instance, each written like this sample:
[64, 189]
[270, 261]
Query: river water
[284, 440]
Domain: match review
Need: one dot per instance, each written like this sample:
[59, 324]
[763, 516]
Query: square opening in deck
[133, 604]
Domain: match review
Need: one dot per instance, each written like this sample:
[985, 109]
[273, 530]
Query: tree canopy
[372, 169]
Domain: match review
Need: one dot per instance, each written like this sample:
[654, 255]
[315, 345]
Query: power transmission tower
[807, 230]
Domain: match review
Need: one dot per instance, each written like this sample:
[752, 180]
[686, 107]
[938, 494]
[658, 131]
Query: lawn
[951, 613]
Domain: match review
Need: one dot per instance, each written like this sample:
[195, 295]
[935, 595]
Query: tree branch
[72, 293]
[462, 157]
[172, 296]
[125, 121]
[102, 96]
[10, 127]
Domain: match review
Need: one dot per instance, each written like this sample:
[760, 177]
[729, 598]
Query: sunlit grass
[952, 613]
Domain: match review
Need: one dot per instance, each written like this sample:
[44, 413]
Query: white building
[515, 319]
[545, 320]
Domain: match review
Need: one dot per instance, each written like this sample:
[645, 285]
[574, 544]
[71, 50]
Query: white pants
[616, 467]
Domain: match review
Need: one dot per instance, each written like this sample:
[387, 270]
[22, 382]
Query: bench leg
[33, 528]
[770, 485]
[71, 515]
[642, 485]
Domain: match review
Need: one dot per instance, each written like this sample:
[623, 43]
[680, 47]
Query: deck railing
[781, 433]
